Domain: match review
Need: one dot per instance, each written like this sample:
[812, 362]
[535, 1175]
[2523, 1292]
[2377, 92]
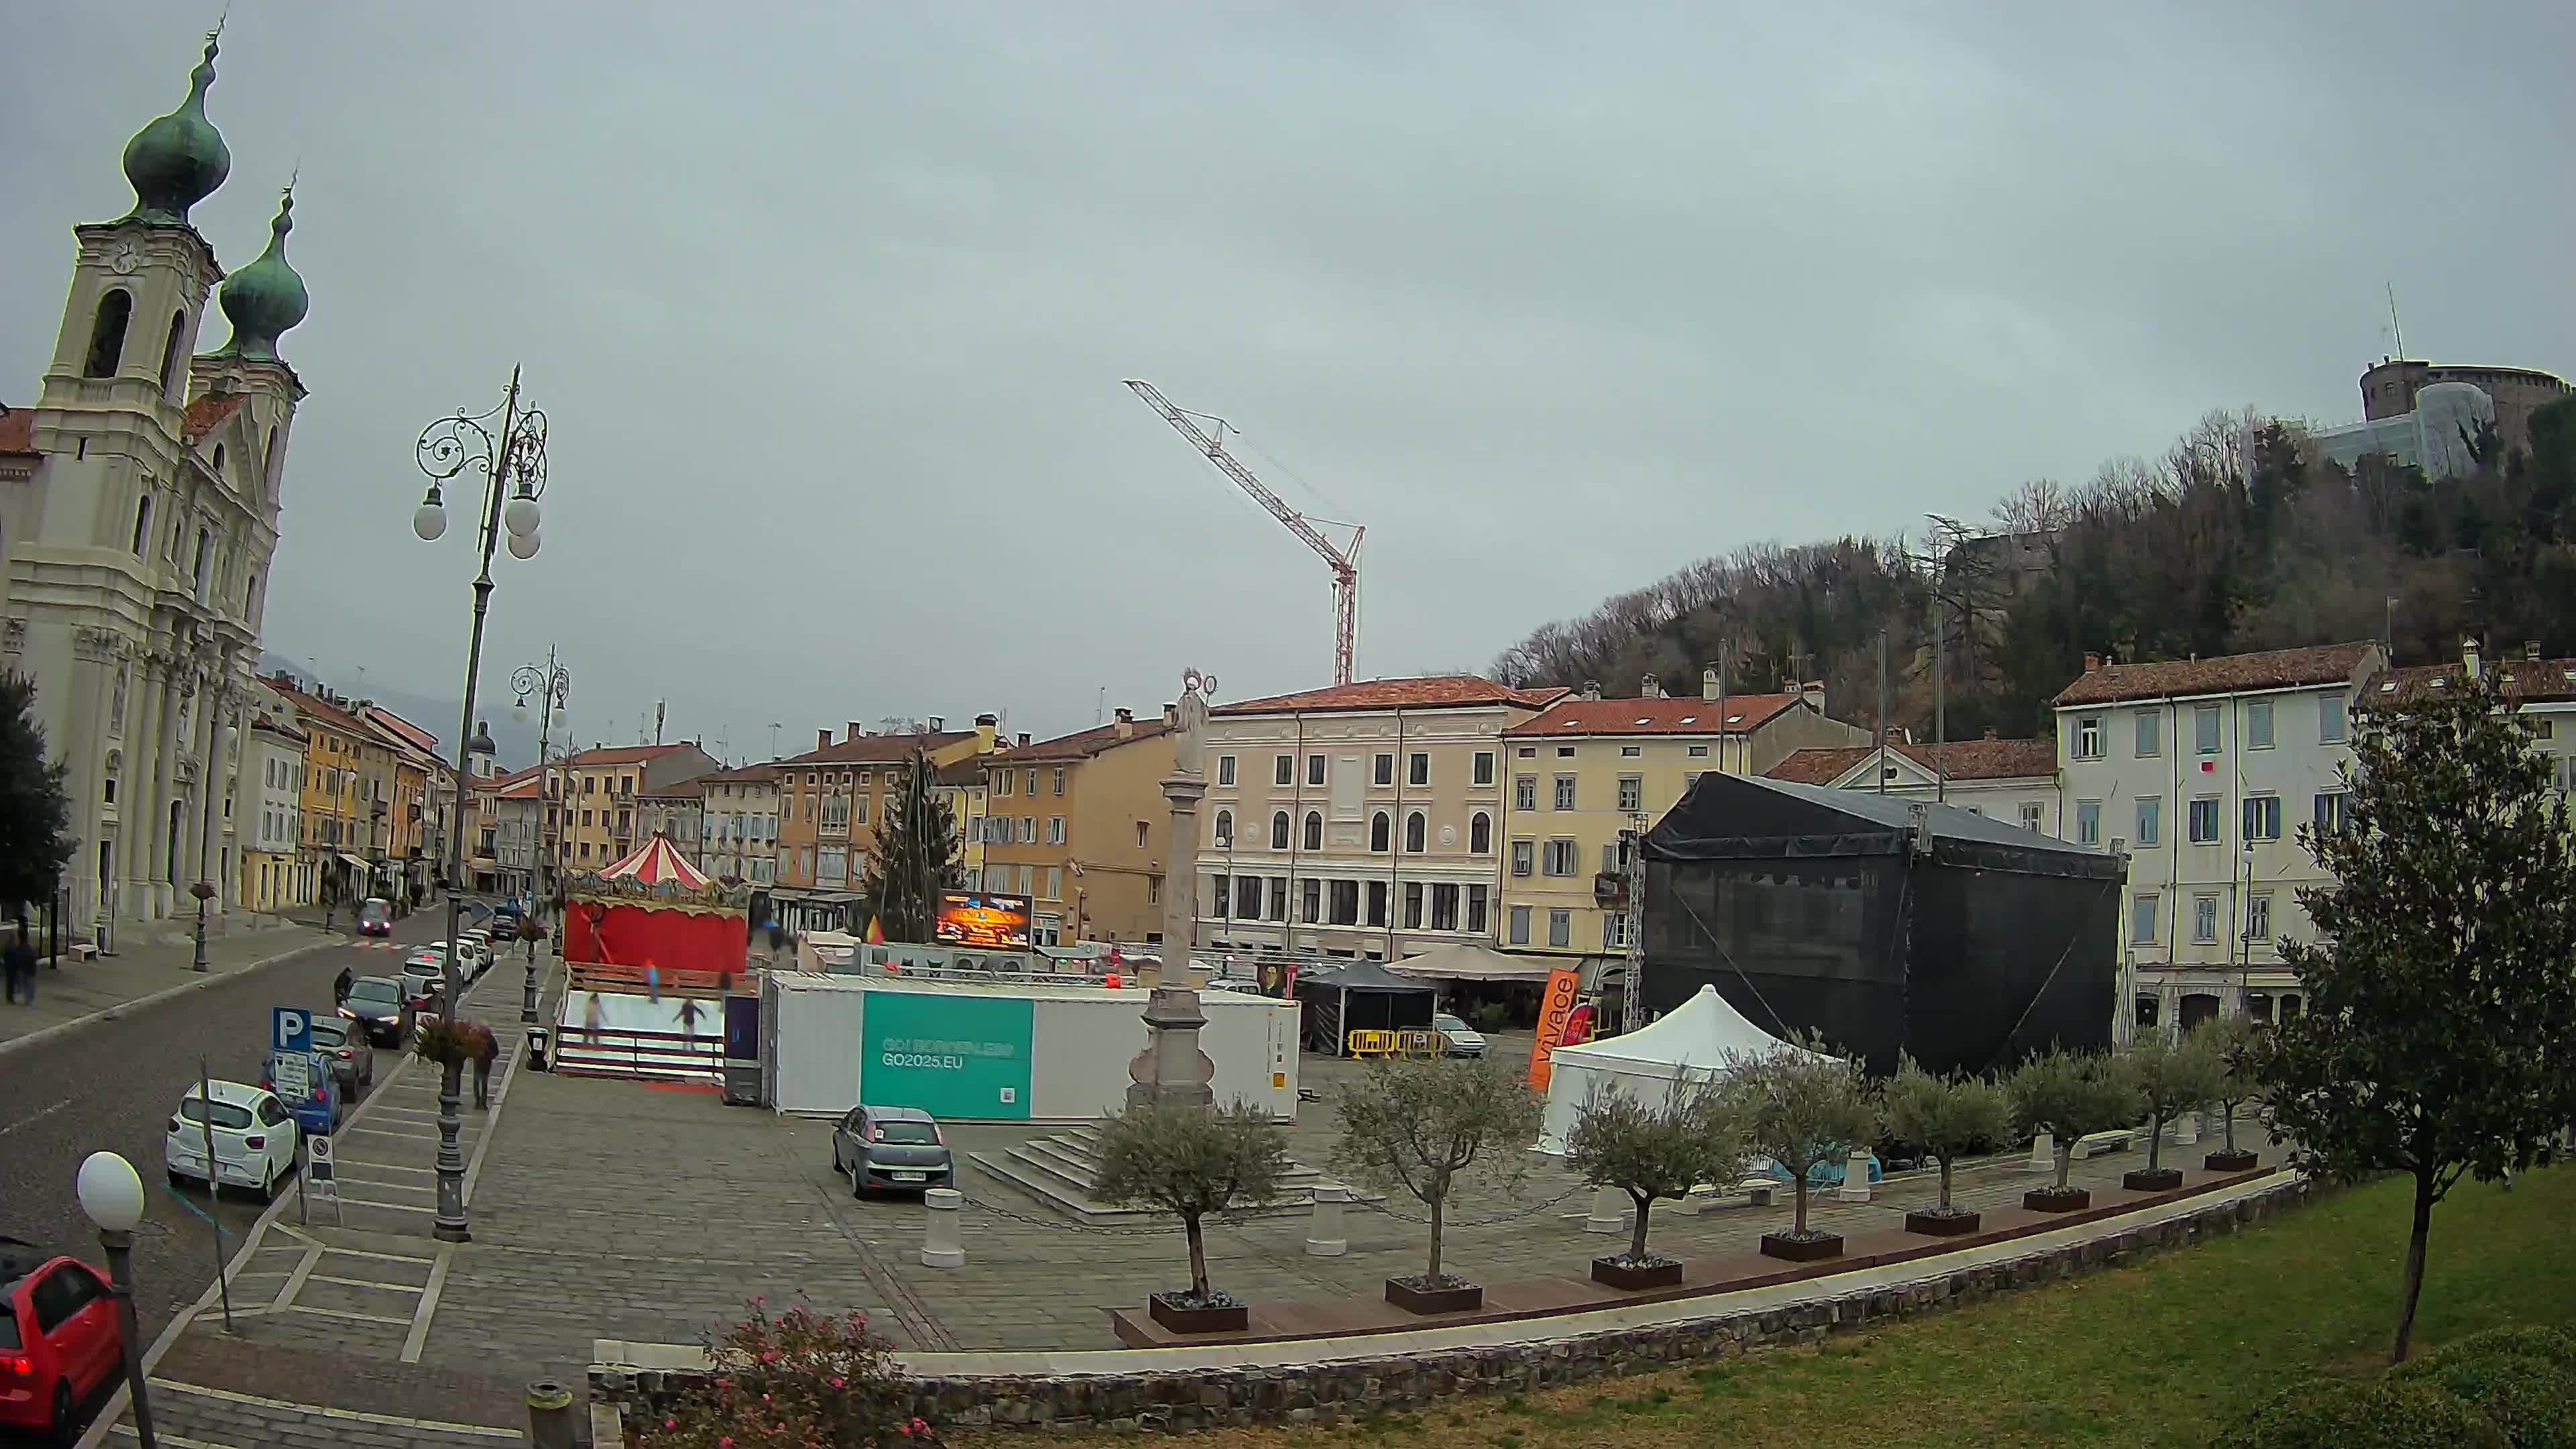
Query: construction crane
[1345, 562]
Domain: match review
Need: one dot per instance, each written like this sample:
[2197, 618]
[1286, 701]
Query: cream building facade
[2009, 780]
[269, 817]
[741, 823]
[138, 511]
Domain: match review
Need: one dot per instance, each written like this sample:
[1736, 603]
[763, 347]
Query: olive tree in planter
[2071, 1097]
[2231, 1042]
[1801, 1107]
[1191, 1162]
[1425, 1126]
[1949, 1117]
[2170, 1078]
[1651, 1152]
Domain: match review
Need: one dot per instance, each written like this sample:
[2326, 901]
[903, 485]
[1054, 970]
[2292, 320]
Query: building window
[1283, 770]
[1029, 784]
[1444, 906]
[1279, 830]
[1002, 783]
[1314, 830]
[1560, 928]
[2330, 720]
[1565, 752]
[1480, 834]
[1225, 828]
[2204, 820]
[2204, 919]
[2258, 724]
[1377, 903]
[2151, 820]
[1314, 769]
[1525, 792]
[1614, 930]
[1632, 793]
[1524, 852]
[142, 522]
[1055, 883]
[2142, 921]
[107, 333]
[1279, 898]
[1417, 768]
[2329, 811]
[1476, 909]
[2204, 729]
[1225, 769]
[2088, 822]
[1247, 897]
[1382, 769]
[2034, 816]
[2088, 737]
[1699, 752]
[2262, 817]
[2151, 734]
[1484, 769]
[1059, 779]
[1565, 792]
[1559, 859]
[1055, 830]
[1379, 832]
[2258, 916]
[1516, 932]
[1028, 830]
[1415, 828]
[1346, 903]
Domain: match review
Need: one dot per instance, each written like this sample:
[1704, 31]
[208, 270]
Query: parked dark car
[58, 1338]
[377, 1004]
[899, 1147]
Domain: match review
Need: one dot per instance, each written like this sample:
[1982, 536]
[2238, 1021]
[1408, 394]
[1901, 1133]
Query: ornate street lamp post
[513, 464]
[554, 684]
[112, 1195]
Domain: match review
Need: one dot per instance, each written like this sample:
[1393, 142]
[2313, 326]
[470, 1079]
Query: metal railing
[582, 1051]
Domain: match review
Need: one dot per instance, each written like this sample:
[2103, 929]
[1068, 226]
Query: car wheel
[177, 1182]
[267, 1183]
[61, 1423]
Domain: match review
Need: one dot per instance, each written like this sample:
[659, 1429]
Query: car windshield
[375, 911]
[328, 1034]
[227, 1116]
[1448, 1023]
[917, 1133]
[374, 991]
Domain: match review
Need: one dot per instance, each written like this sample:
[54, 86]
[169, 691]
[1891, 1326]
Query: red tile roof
[17, 430]
[621, 755]
[761, 774]
[879, 749]
[968, 771]
[1082, 744]
[1441, 691]
[1957, 760]
[2226, 674]
[1693, 716]
[694, 787]
[207, 413]
[2524, 679]
[321, 709]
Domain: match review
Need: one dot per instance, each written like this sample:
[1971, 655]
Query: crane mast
[1345, 562]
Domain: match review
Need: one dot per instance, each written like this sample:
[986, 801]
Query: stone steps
[1063, 1172]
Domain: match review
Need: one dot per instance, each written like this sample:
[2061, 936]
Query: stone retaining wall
[1208, 1398]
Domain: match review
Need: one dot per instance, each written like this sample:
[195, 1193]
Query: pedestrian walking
[487, 1048]
[18, 963]
[340, 987]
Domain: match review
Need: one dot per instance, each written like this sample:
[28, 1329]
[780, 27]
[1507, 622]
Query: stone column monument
[1171, 1069]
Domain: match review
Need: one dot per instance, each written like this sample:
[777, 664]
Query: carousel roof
[656, 862]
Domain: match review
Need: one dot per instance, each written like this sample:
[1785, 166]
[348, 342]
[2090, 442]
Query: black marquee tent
[1883, 923]
[1359, 996]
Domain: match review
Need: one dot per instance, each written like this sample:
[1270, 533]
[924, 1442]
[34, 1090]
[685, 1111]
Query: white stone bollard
[2186, 1129]
[2043, 1153]
[1326, 1234]
[1855, 1186]
[1609, 1212]
[941, 1247]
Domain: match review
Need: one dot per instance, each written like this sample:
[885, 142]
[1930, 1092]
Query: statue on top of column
[1189, 728]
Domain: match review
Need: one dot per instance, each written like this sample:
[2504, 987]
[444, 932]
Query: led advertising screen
[982, 919]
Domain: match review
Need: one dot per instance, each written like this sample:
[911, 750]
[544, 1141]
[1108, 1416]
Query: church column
[139, 799]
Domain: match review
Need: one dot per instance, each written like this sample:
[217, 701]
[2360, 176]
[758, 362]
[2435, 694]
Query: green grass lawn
[2167, 1352]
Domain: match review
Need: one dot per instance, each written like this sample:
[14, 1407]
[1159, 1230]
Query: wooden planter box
[2057, 1200]
[1942, 1225]
[2152, 1179]
[1654, 1275]
[1802, 1250]
[2231, 1162]
[1234, 1318]
[1463, 1299]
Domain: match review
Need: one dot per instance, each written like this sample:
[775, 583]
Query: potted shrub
[793, 1378]
[1424, 1126]
[1801, 1107]
[2069, 1096]
[2230, 1042]
[1948, 1117]
[2170, 1078]
[1191, 1162]
[1651, 1152]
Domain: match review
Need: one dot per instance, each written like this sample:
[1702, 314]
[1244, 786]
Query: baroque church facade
[138, 512]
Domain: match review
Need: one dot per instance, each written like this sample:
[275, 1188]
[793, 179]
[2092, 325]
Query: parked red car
[58, 1339]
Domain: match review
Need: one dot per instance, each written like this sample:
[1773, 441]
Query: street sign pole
[214, 1188]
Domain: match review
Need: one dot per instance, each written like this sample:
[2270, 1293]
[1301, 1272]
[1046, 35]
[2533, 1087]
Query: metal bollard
[941, 1247]
[2043, 1153]
[1855, 1186]
[549, 1415]
[1609, 1212]
[2186, 1129]
[1327, 1234]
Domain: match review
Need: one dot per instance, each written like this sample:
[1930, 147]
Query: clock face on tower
[128, 257]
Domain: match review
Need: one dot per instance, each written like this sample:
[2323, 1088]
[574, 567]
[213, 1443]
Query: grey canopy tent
[1359, 996]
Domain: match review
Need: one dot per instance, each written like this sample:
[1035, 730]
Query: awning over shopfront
[353, 862]
[1468, 961]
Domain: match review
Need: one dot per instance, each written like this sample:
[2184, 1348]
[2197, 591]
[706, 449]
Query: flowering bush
[795, 1380]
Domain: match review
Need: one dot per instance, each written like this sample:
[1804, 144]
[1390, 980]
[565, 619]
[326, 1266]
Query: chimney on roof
[1591, 689]
[1024, 739]
[1171, 715]
[938, 724]
[1126, 723]
[822, 739]
[1990, 732]
[988, 729]
[1650, 687]
[2469, 655]
[855, 732]
[1708, 685]
[2092, 661]
[2531, 650]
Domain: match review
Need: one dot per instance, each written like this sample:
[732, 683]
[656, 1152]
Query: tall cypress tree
[35, 816]
[916, 856]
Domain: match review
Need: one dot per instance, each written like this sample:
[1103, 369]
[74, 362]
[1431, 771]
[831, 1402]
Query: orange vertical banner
[1555, 1008]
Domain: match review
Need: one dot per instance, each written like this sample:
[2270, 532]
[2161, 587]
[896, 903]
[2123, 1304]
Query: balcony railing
[1610, 888]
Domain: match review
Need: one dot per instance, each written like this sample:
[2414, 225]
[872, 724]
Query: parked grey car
[353, 1057]
[899, 1147]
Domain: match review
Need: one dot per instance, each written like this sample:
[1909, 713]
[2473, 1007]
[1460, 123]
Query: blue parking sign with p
[290, 1029]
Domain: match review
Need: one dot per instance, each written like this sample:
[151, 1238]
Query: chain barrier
[1447, 1223]
[1242, 1219]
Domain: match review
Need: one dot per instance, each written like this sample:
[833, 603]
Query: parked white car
[1464, 1040]
[255, 1140]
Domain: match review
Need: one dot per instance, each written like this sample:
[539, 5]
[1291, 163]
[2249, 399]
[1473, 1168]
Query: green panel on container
[951, 1056]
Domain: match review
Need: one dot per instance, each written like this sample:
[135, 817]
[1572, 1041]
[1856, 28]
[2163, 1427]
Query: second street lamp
[554, 683]
[513, 464]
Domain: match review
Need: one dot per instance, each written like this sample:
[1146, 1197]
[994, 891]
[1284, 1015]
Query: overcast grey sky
[830, 303]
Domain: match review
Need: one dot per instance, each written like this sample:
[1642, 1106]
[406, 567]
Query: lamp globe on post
[523, 545]
[429, 520]
[520, 515]
[112, 1195]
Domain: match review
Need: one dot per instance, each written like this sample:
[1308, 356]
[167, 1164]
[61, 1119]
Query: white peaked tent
[1687, 1044]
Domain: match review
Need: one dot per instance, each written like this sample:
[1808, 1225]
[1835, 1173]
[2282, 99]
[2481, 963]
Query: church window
[219, 460]
[170, 353]
[142, 523]
[107, 334]
[205, 554]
